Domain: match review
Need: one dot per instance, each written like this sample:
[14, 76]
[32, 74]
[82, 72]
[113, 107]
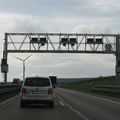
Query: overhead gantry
[60, 43]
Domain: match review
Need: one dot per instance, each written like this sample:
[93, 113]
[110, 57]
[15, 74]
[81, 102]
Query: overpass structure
[60, 43]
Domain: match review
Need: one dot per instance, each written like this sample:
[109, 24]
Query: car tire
[22, 105]
[51, 105]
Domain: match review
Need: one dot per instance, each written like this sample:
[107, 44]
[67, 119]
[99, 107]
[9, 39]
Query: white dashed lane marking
[61, 103]
[71, 108]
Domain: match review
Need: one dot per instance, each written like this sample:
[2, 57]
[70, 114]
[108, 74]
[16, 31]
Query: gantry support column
[4, 65]
[117, 56]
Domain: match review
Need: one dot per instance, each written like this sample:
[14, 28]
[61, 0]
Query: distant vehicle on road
[37, 90]
[16, 81]
[53, 80]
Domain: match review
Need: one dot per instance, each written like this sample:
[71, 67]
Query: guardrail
[9, 88]
[106, 88]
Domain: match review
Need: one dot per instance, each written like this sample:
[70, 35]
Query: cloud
[93, 28]
[106, 3]
[68, 8]
[13, 62]
[27, 24]
[78, 16]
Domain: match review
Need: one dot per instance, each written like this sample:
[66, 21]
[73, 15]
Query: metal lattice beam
[60, 43]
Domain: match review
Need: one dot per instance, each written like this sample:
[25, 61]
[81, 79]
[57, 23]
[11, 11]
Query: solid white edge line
[61, 103]
[100, 98]
[8, 101]
[77, 112]
[73, 109]
[111, 101]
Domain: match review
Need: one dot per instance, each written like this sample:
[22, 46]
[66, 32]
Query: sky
[67, 16]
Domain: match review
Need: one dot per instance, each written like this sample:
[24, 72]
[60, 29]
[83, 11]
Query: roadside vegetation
[5, 96]
[87, 85]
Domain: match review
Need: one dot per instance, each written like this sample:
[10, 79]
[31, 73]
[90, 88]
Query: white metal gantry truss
[60, 43]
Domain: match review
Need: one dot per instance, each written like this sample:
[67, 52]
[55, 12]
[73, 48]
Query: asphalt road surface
[69, 105]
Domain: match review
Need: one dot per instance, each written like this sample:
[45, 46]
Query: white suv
[37, 90]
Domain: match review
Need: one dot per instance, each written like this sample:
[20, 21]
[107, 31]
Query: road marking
[100, 98]
[73, 109]
[103, 99]
[8, 101]
[77, 112]
[61, 103]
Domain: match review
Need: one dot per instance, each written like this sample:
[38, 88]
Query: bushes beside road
[92, 84]
[4, 96]
[8, 91]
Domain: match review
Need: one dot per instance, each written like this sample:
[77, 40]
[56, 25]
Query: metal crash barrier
[9, 88]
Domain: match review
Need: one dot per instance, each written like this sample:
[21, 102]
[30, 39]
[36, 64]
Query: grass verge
[87, 85]
[5, 96]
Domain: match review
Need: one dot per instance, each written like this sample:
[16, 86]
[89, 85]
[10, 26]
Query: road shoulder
[8, 100]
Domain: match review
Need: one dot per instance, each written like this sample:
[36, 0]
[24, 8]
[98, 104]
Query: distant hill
[105, 79]
[71, 80]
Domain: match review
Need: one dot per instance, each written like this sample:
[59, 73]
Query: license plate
[36, 92]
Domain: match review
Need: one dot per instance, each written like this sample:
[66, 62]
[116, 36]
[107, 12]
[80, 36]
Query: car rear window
[37, 82]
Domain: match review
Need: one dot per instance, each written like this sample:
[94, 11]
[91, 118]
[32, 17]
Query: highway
[69, 105]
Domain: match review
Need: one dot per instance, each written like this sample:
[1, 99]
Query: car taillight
[23, 91]
[50, 91]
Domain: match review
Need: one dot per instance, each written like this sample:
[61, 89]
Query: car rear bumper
[36, 100]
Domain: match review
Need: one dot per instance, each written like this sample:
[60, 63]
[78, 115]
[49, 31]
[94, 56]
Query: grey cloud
[27, 24]
[73, 8]
[66, 65]
[94, 28]
[99, 64]
[62, 16]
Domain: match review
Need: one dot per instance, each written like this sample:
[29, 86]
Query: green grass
[4, 96]
[87, 85]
